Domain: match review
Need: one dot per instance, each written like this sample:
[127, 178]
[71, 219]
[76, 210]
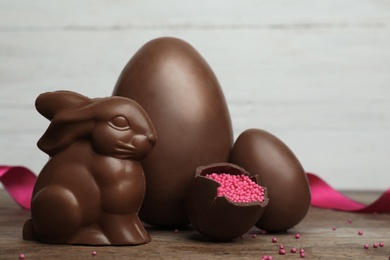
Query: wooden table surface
[318, 239]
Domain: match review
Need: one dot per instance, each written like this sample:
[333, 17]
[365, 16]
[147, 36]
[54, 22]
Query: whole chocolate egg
[183, 98]
[278, 169]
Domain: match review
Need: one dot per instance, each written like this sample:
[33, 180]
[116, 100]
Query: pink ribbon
[324, 196]
[19, 182]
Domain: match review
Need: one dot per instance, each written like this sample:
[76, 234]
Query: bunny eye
[120, 123]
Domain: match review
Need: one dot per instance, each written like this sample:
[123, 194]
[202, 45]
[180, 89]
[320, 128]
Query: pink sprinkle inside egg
[237, 188]
[21, 256]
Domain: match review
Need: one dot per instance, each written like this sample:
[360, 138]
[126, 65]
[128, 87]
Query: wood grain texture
[317, 238]
[314, 73]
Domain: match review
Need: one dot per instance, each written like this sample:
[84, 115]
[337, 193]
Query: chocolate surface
[278, 169]
[217, 217]
[182, 96]
[91, 189]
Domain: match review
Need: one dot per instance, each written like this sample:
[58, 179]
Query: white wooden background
[314, 73]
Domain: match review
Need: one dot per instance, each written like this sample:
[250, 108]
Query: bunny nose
[152, 139]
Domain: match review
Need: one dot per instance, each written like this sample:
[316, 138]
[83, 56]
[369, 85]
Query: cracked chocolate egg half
[223, 202]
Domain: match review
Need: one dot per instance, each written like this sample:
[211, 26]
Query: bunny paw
[89, 236]
[124, 229]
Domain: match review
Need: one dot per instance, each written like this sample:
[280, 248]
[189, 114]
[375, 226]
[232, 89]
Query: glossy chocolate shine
[182, 96]
[278, 169]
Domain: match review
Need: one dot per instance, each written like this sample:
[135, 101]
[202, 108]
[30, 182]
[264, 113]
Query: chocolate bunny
[93, 185]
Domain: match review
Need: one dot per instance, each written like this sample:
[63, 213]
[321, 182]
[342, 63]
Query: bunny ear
[68, 125]
[59, 136]
[50, 103]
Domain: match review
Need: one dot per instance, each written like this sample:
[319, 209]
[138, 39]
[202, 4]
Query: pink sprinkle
[366, 246]
[293, 250]
[360, 232]
[21, 256]
[375, 245]
[94, 253]
[302, 251]
[274, 240]
[381, 244]
[263, 232]
[237, 188]
[349, 221]
[266, 257]
[281, 247]
[302, 255]
[297, 236]
[254, 235]
[333, 228]
[282, 252]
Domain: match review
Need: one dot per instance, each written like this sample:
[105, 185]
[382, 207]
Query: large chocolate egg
[182, 96]
[278, 169]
